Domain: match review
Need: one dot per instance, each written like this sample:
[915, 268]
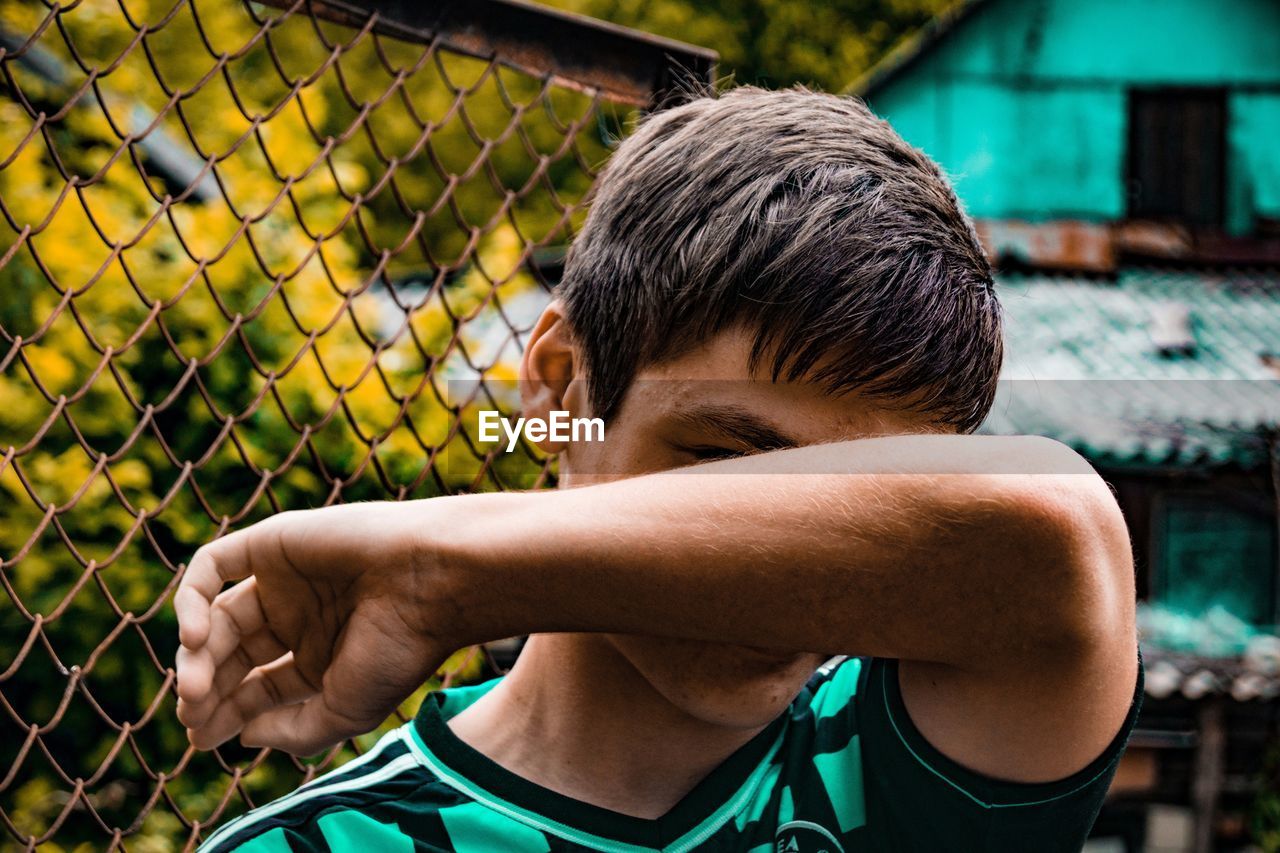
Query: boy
[778, 303]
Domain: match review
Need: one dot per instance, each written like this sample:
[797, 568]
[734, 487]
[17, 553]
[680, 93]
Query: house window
[1216, 549]
[1177, 155]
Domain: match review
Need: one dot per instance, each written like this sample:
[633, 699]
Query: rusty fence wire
[243, 249]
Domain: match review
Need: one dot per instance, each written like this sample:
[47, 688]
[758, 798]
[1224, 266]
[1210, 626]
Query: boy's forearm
[940, 548]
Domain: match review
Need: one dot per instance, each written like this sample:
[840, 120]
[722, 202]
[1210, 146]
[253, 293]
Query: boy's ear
[548, 370]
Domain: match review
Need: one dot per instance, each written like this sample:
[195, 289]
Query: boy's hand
[321, 638]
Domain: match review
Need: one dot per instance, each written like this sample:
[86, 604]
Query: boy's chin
[734, 686]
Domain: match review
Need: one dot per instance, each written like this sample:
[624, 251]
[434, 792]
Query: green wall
[1024, 102]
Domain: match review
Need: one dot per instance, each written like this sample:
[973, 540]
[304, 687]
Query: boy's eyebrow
[736, 424]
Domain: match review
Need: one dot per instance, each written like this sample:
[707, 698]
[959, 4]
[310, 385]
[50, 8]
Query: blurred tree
[277, 340]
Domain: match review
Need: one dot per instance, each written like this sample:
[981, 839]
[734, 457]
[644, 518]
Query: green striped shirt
[843, 770]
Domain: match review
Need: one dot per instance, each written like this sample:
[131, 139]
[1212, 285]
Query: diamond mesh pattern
[243, 253]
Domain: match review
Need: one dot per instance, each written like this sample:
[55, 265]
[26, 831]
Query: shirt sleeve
[923, 800]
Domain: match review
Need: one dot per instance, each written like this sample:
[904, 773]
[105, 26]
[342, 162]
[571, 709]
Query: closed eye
[709, 453]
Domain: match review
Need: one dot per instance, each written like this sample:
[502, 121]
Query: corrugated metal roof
[1084, 365]
[1195, 677]
[1210, 654]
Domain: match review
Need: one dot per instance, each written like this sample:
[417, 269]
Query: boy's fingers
[195, 673]
[307, 728]
[193, 616]
[256, 650]
[266, 687]
[349, 703]
[236, 614]
[222, 725]
[213, 565]
[274, 685]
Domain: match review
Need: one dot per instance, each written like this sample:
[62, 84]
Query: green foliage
[199, 364]
[1264, 818]
[776, 42]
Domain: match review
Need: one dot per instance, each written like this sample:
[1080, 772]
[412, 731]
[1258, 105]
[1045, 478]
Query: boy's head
[804, 219]
[759, 270]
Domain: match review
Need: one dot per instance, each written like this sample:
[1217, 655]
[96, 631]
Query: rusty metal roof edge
[575, 51]
[673, 46]
[911, 48]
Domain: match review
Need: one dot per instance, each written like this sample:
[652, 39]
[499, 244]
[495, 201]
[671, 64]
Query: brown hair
[805, 218]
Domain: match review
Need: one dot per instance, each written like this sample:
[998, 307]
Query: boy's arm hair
[892, 550]
[998, 568]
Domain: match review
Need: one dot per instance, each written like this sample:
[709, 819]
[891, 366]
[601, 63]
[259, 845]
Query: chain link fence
[244, 248]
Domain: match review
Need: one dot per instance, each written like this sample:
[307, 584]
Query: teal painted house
[1122, 162]
[1047, 110]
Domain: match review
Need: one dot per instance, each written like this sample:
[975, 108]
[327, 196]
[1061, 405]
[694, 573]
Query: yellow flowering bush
[250, 307]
